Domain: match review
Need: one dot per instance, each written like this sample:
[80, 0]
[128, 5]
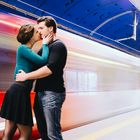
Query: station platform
[121, 127]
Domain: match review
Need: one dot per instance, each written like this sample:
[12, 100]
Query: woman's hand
[47, 39]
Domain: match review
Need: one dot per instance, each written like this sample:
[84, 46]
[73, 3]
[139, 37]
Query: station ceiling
[113, 22]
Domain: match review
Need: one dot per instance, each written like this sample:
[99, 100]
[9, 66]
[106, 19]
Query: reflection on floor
[122, 127]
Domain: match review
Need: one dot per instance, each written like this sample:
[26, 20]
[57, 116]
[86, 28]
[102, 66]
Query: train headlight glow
[10, 24]
[97, 59]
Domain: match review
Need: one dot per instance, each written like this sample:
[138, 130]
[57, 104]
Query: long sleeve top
[27, 60]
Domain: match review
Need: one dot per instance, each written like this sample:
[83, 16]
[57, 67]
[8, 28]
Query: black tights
[10, 128]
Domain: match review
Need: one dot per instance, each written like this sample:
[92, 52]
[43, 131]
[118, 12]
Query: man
[50, 90]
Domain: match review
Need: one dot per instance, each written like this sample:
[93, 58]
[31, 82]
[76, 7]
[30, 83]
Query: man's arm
[40, 73]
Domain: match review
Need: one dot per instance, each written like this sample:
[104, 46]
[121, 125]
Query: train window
[71, 81]
[87, 81]
[80, 82]
[92, 81]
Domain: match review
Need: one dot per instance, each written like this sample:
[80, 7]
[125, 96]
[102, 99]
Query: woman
[16, 108]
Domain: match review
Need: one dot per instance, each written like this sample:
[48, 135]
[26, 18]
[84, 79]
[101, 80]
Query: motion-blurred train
[100, 81]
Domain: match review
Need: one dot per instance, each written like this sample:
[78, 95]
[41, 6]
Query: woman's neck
[30, 44]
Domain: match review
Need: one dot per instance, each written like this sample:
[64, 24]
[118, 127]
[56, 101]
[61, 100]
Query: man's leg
[41, 122]
[52, 104]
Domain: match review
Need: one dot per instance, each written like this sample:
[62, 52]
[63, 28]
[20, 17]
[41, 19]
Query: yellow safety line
[110, 129]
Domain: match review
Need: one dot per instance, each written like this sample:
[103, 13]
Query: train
[100, 81]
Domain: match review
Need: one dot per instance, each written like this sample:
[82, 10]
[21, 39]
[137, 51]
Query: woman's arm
[33, 57]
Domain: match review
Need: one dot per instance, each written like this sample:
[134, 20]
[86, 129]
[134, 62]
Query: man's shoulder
[57, 41]
[58, 44]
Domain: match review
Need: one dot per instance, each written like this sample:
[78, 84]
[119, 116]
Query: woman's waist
[24, 83]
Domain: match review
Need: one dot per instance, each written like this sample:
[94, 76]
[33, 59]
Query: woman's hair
[25, 33]
[49, 21]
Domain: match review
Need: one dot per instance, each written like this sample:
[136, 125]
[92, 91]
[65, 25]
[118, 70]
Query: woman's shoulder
[22, 47]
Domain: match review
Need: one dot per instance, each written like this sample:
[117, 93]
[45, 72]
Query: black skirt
[17, 104]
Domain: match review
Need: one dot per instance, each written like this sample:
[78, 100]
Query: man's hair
[25, 33]
[49, 21]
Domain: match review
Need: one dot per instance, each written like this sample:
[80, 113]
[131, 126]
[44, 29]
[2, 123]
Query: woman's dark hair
[25, 33]
[49, 21]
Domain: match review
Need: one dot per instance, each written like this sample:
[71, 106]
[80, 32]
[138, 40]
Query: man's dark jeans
[47, 109]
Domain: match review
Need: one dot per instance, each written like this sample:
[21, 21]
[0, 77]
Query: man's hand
[22, 76]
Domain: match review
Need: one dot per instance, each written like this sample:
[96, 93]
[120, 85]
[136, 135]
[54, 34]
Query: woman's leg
[25, 131]
[10, 128]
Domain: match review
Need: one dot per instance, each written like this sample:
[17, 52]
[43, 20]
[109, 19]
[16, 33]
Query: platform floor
[121, 127]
